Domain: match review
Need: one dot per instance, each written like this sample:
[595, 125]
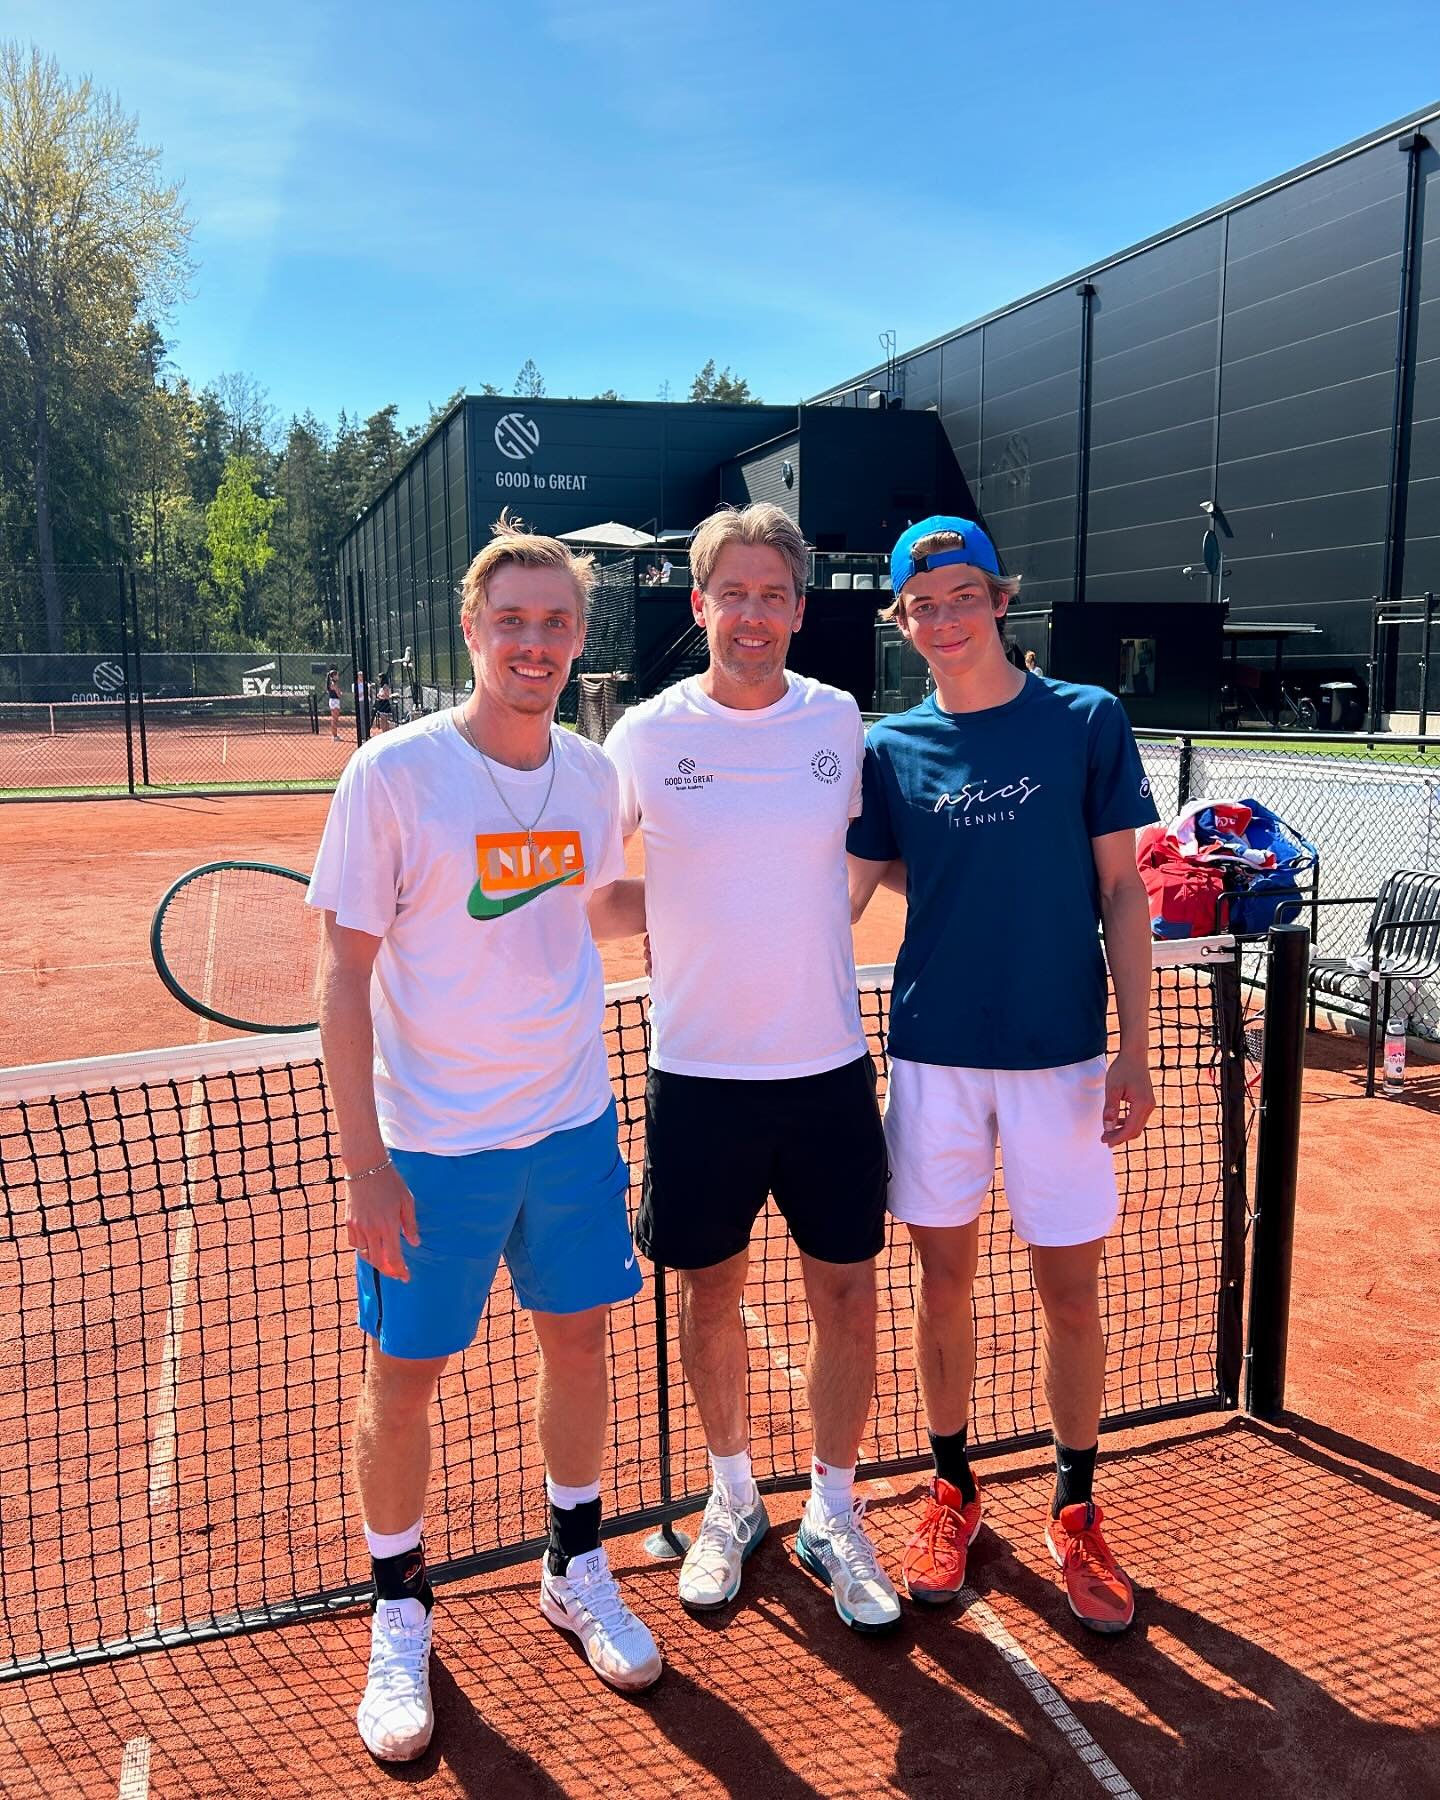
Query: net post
[1276, 1166]
[1230, 1304]
[125, 685]
[665, 1543]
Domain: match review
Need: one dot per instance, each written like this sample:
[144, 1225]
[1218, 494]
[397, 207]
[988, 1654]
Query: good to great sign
[517, 437]
[535, 481]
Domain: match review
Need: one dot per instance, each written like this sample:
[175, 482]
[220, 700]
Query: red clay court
[1287, 1639]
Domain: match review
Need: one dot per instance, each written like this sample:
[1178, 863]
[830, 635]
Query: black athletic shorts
[714, 1149]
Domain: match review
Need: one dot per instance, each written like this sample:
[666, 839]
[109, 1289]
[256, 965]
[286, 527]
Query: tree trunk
[44, 526]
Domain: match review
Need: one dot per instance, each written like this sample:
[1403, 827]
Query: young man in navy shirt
[1012, 803]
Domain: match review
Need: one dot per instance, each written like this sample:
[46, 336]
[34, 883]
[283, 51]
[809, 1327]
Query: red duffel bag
[1185, 896]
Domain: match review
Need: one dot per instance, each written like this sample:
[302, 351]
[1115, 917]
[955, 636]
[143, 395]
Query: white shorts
[941, 1128]
[334, 705]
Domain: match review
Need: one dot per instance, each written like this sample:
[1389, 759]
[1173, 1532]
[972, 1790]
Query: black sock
[1074, 1476]
[573, 1531]
[951, 1462]
[402, 1577]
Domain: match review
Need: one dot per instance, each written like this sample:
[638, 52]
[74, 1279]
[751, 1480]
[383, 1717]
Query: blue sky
[392, 202]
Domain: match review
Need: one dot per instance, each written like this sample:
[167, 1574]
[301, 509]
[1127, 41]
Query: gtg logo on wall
[516, 436]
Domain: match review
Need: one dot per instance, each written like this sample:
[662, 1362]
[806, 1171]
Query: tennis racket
[236, 943]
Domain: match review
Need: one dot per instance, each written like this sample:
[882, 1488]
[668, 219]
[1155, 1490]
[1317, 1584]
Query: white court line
[777, 1352]
[182, 1256]
[1050, 1703]
[135, 1770]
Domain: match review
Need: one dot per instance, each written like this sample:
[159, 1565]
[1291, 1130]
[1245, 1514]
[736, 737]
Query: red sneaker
[1097, 1588]
[934, 1562]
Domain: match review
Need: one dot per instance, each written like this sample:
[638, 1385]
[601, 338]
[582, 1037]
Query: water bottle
[1395, 1056]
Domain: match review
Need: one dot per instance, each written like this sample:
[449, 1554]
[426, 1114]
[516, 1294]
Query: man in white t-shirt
[742, 783]
[466, 862]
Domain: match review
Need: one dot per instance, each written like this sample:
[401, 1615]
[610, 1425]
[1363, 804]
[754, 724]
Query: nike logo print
[630, 1259]
[481, 905]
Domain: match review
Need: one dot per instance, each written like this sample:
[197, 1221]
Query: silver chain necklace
[529, 830]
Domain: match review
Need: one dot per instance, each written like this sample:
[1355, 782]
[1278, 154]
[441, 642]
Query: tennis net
[182, 1364]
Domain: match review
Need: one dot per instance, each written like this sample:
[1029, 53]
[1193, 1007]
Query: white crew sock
[832, 1489]
[734, 1474]
[568, 1498]
[394, 1543]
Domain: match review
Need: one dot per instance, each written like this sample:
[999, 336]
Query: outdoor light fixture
[787, 474]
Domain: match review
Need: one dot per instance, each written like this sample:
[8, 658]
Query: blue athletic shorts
[555, 1211]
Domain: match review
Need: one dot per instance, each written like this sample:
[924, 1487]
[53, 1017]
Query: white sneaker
[710, 1573]
[395, 1716]
[585, 1601]
[837, 1551]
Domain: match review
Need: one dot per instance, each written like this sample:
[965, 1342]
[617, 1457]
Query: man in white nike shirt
[467, 860]
[742, 782]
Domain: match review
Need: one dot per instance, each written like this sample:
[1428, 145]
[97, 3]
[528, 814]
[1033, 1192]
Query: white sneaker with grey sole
[586, 1602]
[729, 1532]
[395, 1715]
[837, 1551]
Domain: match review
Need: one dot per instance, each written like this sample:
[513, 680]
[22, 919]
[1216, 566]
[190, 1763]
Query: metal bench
[1402, 944]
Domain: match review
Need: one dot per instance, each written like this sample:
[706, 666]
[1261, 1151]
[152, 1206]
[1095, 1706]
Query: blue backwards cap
[974, 548]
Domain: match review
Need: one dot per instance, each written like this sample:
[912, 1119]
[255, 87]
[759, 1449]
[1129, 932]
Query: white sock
[832, 1489]
[568, 1498]
[734, 1474]
[394, 1543]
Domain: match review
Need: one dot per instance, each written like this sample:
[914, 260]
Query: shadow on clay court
[1286, 1642]
[1343, 1054]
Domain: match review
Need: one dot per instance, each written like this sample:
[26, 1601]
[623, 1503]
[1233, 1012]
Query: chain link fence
[1369, 805]
[106, 714]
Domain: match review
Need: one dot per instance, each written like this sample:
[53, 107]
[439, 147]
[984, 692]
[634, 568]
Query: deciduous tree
[92, 241]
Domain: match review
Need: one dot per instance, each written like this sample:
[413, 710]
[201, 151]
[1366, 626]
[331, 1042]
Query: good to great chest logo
[687, 776]
[987, 802]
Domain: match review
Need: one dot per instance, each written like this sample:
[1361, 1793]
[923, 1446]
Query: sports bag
[1187, 898]
[1262, 898]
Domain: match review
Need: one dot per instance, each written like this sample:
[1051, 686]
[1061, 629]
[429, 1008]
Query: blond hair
[512, 544]
[758, 523]
[1000, 586]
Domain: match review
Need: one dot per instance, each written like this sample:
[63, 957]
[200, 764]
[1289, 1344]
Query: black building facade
[850, 480]
[1276, 360]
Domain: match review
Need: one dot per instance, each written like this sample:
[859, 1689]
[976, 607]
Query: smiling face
[524, 636]
[952, 618]
[750, 611]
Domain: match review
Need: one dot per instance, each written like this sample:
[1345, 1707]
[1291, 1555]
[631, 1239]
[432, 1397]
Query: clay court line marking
[135, 1770]
[777, 1353]
[182, 1256]
[1049, 1701]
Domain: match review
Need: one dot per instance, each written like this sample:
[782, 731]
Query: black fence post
[1187, 760]
[1426, 625]
[139, 686]
[1276, 1164]
[125, 686]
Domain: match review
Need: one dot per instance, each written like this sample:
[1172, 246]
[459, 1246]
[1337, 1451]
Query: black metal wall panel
[1249, 357]
[1028, 445]
[1420, 570]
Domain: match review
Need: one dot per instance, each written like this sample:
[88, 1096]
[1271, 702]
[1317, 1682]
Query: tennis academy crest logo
[516, 436]
[825, 766]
